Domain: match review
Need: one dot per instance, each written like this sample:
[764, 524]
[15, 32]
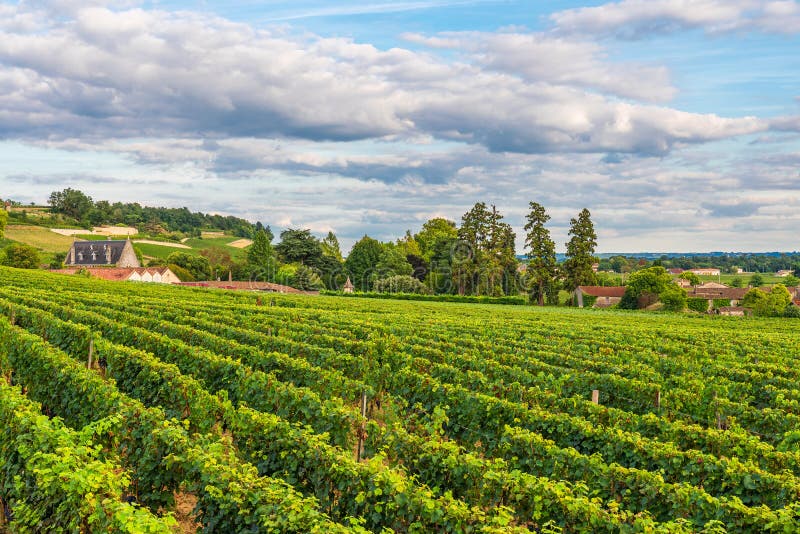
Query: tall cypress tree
[261, 256]
[541, 251]
[580, 252]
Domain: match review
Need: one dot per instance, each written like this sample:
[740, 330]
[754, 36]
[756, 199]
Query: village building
[675, 270]
[784, 273]
[604, 296]
[158, 275]
[108, 253]
[732, 294]
[705, 271]
[712, 285]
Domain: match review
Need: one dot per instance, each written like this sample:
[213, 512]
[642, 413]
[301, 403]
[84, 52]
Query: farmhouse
[604, 296]
[784, 273]
[109, 253]
[159, 275]
[732, 294]
[705, 271]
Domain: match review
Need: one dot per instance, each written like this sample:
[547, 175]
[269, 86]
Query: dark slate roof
[97, 252]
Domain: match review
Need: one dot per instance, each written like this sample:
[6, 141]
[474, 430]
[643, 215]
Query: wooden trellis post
[91, 352]
[362, 429]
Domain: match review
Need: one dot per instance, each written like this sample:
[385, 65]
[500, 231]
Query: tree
[737, 282]
[756, 280]
[653, 280]
[580, 252]
[362, 261]
[70, 202]
[219, 259]
[484, 259]
[791, 281]
[58, 260]
[20, 256]
[691, 277]
[306, 279]
[330, 247]
[3, 221]
[261, 257]
[299, 246]
[755, 299]
[197, 266]
[541, 252]
[673, 297]
[778, 300]
[433, 231]
[392, 262]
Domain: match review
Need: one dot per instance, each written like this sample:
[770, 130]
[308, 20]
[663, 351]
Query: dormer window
[94, 255]
[80, 256]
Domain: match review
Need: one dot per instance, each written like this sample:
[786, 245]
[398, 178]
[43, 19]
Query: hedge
[471, 299]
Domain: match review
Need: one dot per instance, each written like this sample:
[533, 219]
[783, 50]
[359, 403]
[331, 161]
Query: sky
[675, 122]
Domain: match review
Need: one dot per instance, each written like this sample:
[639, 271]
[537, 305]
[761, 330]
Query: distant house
[158, 275]
[683, 282]
[733, 294]
[711, 285]
[109, 253]
[605, 296]
[675, 270]
[595, 267]
[705, 271]
[784, 272]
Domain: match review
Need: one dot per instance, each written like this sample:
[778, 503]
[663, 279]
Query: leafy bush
[20, 256]
[307, 279]
[673, 298]
[697, 304]
[400, 284]
[792, 311]
[719, 303]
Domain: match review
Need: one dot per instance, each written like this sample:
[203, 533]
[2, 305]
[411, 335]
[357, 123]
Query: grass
[38, 237]
[197, 246]
[728, 279]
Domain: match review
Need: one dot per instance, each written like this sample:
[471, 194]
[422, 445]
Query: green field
[479, 418]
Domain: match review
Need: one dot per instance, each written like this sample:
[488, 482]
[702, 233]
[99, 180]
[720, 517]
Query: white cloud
[634, 19]
[137, 73]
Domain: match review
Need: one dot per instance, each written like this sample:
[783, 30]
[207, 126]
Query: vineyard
[139, 408]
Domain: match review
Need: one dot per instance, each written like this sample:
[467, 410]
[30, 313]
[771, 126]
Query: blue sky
[676, 122]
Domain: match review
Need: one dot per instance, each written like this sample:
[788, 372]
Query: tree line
[475, 257]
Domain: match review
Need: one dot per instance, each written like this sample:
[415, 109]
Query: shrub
[699, 305]
[20, 256]
[400, 284]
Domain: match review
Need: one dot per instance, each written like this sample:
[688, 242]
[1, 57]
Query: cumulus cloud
[636, 19]
[103, 73]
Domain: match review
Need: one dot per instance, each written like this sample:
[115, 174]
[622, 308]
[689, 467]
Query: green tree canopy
[653, 280]
[392, 262]
[691, 277]
[197, 266]
[20, 256]
[756, 280]
[362, 261]
[261, 256]
[580, 252]
[772, 304]
[307, 279]
[330, 247]
[541, 252]
[299, 246]
[71, 202]
[433, 231]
